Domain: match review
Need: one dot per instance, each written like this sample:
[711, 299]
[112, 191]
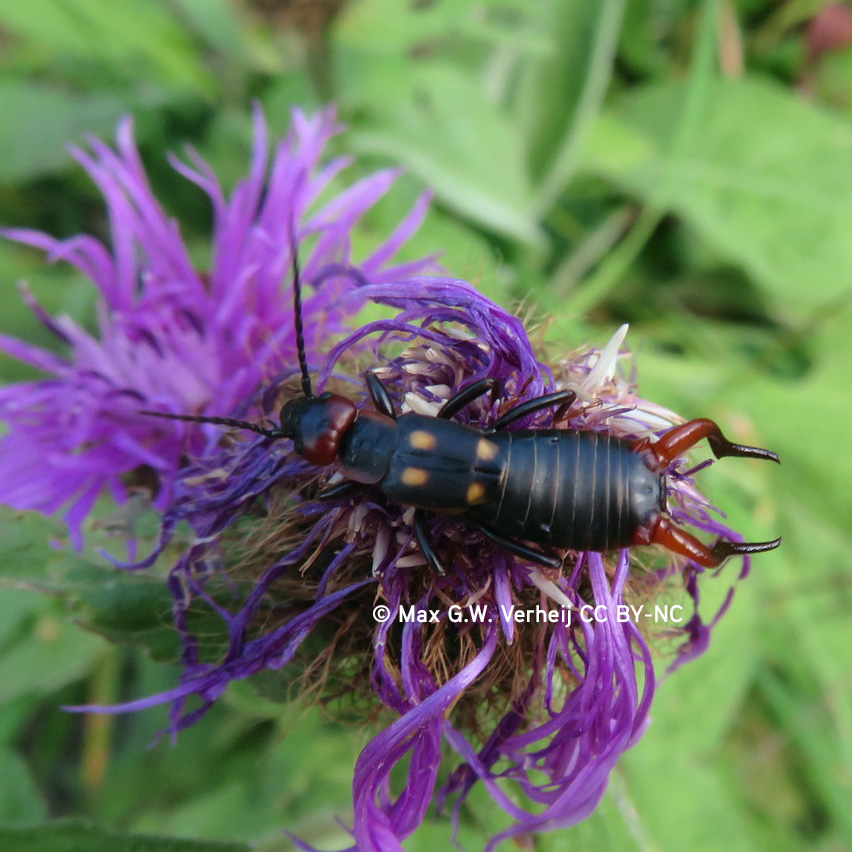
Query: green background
[686, 167]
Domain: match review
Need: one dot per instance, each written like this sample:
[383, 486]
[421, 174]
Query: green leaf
[672, 776]
[387, 28]
[649, 27]
[54, 654]
[229, 777]
[126, 608]
[805, 677]
[765, 177]
[20, 800]
[560, 93]
[684, 804]
[217, 22]
[615, 824]
[799, 712]
[40, 121]
[16, 607]
[460, 159]
[68, 836]
[815, 471]
[122, 606]
[696, 704]
[131, 39]
[24, 548]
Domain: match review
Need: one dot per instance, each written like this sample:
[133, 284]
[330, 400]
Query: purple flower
[172, 338]
[543, 709]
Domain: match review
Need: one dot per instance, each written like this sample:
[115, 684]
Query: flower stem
[98, 727]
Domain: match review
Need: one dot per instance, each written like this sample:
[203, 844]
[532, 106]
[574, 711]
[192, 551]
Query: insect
[543, 489]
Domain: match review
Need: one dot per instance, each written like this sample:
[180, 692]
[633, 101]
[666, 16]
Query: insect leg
[425, 544]
[677, 440]
[679, 541]
[466, 395]
[379, 395]
[563, 399]
[541, 557]
[340, 490]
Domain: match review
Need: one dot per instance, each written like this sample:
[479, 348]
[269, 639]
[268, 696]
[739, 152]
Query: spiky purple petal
[170, 338]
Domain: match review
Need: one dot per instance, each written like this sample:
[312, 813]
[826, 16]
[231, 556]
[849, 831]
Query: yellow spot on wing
[485, 450]
[475, 493]
[422, 440]
[415, 476]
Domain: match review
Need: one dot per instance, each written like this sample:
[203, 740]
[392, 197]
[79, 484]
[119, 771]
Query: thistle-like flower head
[172, 338]
[538, 713]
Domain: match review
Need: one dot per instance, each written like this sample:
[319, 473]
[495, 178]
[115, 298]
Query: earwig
[543, 489]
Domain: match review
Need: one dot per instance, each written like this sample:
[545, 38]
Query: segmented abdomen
[579, 490]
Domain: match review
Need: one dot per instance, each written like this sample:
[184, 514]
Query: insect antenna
[219, 421]
[307, 390]
[297, 310]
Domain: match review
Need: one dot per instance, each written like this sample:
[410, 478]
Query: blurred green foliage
[685, 166]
